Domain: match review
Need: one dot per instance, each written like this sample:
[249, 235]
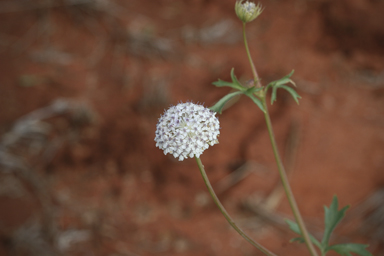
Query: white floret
[186, 130]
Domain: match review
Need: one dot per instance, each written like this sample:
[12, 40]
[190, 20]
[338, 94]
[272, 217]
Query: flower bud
[186, 130]
[247, 11]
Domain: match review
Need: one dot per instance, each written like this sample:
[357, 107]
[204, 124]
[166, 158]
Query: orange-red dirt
[125, 62]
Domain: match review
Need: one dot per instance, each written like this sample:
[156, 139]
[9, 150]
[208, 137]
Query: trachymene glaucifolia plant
[187, 130]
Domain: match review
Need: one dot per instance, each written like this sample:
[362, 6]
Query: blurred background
[83, 83]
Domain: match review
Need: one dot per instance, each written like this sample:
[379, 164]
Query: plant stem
[280, 166]
[225, 213]
[255, 75]
[287, 187]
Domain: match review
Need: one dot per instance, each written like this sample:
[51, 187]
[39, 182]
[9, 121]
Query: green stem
[287, 187]
[225, 213]
[282, 172]
[255, 75]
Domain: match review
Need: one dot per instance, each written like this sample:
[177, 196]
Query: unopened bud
[247, 11]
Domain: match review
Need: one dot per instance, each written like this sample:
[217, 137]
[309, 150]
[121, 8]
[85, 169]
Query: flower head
[247, 11]
[186, 130]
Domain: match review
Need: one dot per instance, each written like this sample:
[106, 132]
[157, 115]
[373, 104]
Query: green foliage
[282, 83]
[332, 218]
[346, 249]
[235, 83]
[256, 94]
[218, 107]
[295, 228]
[240, 89]
[257, 101]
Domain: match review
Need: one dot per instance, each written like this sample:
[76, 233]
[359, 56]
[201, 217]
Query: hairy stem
[287, 187]
[225, 213]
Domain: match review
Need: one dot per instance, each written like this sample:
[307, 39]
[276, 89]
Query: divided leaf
[235, 83]
[282, 83]
[257, 101]
[273, 96]
[234, 78]
[295, 228]
[222, 83]
[293, 93]
[250, 93]
[346, 249]
[332, 217]
[286, 79]
[218, 107]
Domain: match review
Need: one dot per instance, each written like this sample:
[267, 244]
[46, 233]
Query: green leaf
[234, 78]
[271, 84]
[292, 92]
[235, 83]
[297, 239]
[295, 228]
[346, 249]
[252, 90]
[218, 107]
[222, 83]
[284, 80]
[281, 83]
[257, 101]
[332, 218]
[273, 97]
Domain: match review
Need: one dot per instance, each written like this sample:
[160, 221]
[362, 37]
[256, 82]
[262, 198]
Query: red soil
[128, 60]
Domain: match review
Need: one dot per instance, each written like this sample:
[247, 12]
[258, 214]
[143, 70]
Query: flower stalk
[286, 185]
[187, 130]
[280, 166]
[225, 213]
[254, 71]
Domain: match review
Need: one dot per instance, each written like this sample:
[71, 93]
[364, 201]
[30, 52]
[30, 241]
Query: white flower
[186, 130]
